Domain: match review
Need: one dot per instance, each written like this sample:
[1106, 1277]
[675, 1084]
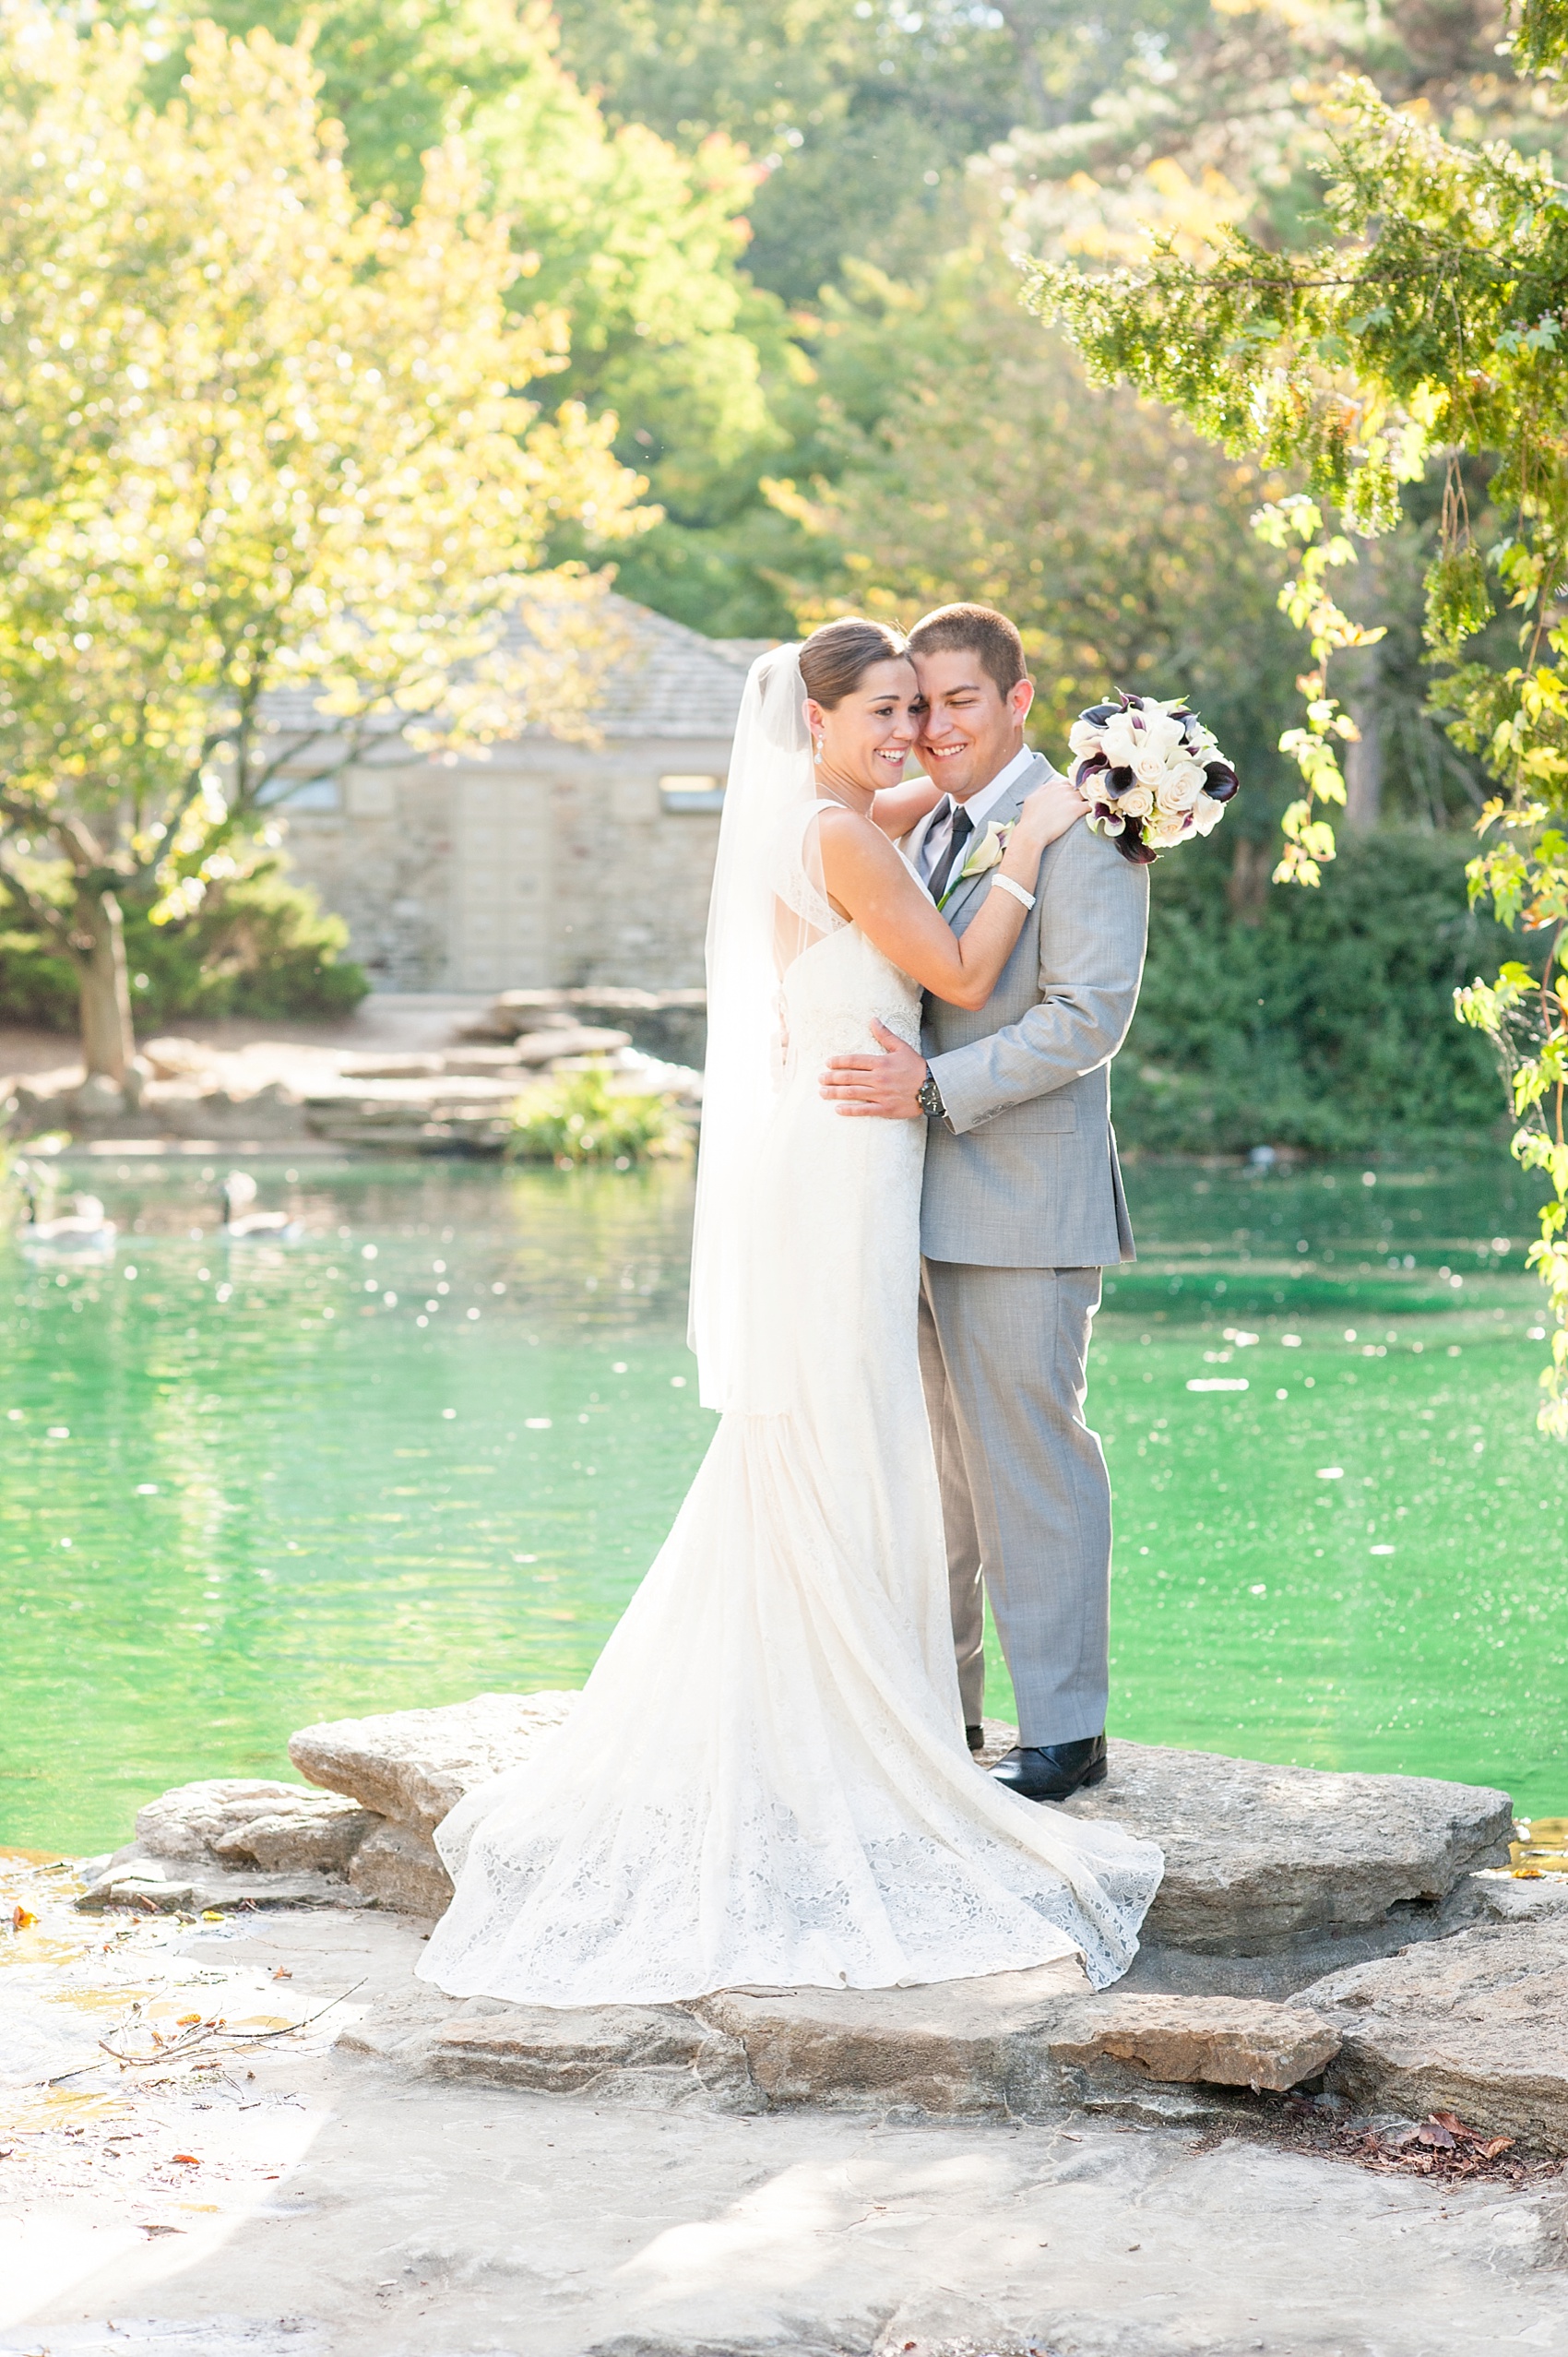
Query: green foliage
[255, 437]
[1117, 540]
[578, 1119]
[1430, 320]
[257, 945]
[1327, 1023]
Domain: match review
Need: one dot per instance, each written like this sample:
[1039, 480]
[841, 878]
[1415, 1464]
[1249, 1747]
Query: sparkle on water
[428, 1449]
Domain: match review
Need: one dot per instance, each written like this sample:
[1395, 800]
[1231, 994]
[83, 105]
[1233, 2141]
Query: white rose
[1137, 802]
[1149, 766]
[1122, 742]
[1163, 734]
[1190, 781]
[1083, 738]
[1170, 796]
[1207, 814]
[1165, 828]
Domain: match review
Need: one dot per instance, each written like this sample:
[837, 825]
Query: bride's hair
[836, 658]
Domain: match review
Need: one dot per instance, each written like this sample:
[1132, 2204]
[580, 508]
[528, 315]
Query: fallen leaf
[1431, 2133]
[185, 2020]
[1494, 2145]
[283, 1973]
[209, 1915]
[21, 1921]
[188, 2156]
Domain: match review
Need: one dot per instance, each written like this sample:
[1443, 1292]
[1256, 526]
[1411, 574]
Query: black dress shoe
[975, 1738]
[1053, 1771]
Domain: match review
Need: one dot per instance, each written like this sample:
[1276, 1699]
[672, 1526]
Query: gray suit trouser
[1026, 1499]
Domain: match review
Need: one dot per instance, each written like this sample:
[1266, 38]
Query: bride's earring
[816, 748]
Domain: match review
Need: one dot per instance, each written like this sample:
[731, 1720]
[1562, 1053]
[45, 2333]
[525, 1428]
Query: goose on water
[82, 1233]
[241, 1225]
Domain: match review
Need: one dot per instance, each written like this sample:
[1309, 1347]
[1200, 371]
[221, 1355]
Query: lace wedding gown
[765, 1780]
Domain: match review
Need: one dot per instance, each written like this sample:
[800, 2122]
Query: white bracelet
[1006, 884]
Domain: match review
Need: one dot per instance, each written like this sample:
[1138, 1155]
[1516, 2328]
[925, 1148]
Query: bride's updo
[836, 658]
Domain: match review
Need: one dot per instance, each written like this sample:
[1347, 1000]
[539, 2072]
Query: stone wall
[549, 864]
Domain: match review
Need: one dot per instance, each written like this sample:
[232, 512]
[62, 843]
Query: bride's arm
[866, 879]
[897, 808]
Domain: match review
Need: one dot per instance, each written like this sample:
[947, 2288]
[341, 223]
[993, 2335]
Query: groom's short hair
[974, 630]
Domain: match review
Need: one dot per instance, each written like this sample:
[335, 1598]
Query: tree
[1428, 324]
[964, 456]
[270, 498]
[637, 238]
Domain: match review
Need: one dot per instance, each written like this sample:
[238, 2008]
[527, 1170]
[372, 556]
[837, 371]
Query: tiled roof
[674, 683]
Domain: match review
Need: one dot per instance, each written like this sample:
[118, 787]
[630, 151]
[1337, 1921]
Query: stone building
[550, 864]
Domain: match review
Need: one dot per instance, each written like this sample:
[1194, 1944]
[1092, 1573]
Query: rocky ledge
[1348, 1932]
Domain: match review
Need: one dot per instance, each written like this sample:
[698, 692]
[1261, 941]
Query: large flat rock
[1214, 2041]
[1258, 1858]
[415, 1765]
[1476, 2024]
[1021, 2045]
[659, 2056]
[239, 1821]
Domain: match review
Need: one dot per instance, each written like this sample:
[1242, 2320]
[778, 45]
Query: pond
[429, 1447]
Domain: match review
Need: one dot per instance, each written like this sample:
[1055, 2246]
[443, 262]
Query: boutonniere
[986, 855]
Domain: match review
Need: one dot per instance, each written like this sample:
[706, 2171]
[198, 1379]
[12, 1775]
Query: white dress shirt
[939, 833]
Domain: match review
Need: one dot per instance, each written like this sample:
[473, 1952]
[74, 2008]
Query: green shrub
[259, 946]
[1328, 1023]
[578, 1120]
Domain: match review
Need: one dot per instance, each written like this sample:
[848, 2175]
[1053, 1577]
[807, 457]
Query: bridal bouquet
[1153, 772]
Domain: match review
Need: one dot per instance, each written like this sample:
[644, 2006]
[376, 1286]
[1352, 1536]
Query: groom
[1021, 1210]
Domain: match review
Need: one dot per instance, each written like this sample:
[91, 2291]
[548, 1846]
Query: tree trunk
[108, 1039]
[1363, 768]
[1246, 887]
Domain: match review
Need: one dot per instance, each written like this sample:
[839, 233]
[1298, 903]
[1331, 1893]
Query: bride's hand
[1048, 813]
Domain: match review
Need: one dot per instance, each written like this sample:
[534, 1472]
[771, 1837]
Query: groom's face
[969, 730]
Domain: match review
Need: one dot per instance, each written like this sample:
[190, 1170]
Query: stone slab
[398, 1866]
[1476, 2024]
[1258, 1858]
[1025, 2045]
[1220, 2041]
[657, 2055]
[415, 1765]
[135, 1880]
[238, 1821]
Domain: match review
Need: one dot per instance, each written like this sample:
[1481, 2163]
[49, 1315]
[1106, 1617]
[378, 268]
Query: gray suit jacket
[1023, 1173]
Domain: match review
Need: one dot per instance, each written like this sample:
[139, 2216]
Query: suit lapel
[966, 894]
[912, 842]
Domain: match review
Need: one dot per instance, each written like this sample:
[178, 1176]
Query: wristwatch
[929, 1098]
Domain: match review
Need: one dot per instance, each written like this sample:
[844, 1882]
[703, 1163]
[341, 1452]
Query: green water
[430, 1447]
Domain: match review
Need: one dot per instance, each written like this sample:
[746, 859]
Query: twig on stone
[204, 2034]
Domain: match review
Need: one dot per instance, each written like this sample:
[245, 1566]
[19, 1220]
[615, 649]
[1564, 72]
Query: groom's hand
[886, 1086]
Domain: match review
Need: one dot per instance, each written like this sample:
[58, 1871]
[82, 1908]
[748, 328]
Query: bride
[765, 1780]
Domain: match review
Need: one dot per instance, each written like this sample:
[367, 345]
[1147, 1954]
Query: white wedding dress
[765, 1780]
